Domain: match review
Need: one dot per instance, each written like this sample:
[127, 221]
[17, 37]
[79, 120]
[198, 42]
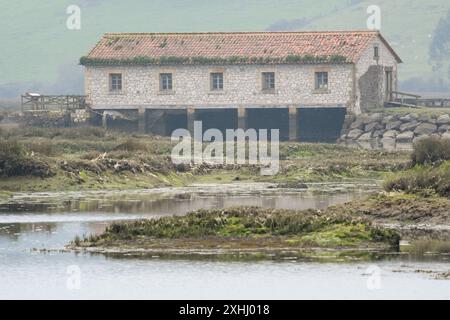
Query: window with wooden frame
[321, 81]
[165, 81]
[268, 81]
[115, 82]
[216, 80]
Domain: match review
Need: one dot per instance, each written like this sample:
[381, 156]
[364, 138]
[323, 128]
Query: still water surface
[51, 220]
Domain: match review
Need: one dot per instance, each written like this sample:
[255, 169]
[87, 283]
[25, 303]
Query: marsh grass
[308, 227]
[15, 160]
[424, 180]
[431, 150]
[430, 170]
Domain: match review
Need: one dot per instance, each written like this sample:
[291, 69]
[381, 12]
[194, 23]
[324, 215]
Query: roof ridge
[240, 32]
[256, 44]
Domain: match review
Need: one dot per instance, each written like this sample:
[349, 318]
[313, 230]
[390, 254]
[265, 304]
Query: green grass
[292, 228]
[40, 49]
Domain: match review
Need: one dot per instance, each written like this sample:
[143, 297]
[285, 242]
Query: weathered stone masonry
[353, 85]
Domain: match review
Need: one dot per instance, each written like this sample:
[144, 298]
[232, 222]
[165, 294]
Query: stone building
[302, 83]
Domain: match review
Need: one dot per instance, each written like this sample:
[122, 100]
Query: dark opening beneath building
[221, 119]
[269, 118]
[174, 119]
[320, 124]
[163, 122]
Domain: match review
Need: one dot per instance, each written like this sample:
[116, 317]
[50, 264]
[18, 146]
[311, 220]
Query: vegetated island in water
[245, 232]
[414, 206]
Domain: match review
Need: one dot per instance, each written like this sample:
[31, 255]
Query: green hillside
[40, 53]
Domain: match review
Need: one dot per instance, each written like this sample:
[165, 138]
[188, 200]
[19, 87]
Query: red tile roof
[275, 46]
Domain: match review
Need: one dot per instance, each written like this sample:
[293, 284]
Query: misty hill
[40, 53]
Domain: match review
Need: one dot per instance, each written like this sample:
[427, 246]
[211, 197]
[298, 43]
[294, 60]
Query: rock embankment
[403, 128]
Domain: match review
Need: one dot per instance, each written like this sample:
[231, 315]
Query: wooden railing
[48, 102]
[405, 98]
[409, 99]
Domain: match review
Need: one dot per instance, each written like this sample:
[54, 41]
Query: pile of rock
[399, 127]
[80, 116]
[45, 119]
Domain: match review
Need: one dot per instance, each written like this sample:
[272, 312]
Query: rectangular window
[115, 81]
[321, 80]
[165, 81]
[268, 80]
[376, 52]
[216, 81]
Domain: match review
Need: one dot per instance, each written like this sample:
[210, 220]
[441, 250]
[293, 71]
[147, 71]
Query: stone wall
[371, 88]
[80, 116]
[45, 119]
[369, 72]
[242, 86]
[402, 128]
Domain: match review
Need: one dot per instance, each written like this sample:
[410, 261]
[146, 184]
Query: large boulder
[393, 125]
[424, 117]
[390, 134]
[444, 128]
[389, 118]
[446, 135]
[406, 136]
[365, 137]
[378, 134]
[409, 117]
[357, 124]
[376, 117]
[373, 126]
[409, 126]
[425, 129]
[443, 119]
[354, 134]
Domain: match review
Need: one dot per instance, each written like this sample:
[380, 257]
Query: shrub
[15, 161]
[421, 180]
[430, 150]
[41, 147]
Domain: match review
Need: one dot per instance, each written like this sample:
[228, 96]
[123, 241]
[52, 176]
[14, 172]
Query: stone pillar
[190, 120]
[293, 124]
[242, 118]
[142, 121]
[104, 120]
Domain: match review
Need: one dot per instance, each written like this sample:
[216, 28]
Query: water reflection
[181, 200]
[50, 221]
[40, 220]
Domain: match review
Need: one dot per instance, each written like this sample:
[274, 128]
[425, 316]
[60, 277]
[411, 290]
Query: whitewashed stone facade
[294, 85]
[354, 85]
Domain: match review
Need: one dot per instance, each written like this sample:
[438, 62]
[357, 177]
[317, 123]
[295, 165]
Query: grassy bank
[242, 231]
[34, 159]
[429, 172]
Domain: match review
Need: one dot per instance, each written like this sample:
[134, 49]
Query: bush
[11, 148]
[430, 151]
[41, 147]
[422, 180]
[15, 161]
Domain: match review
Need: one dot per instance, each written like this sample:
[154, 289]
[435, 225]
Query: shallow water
[50, 221]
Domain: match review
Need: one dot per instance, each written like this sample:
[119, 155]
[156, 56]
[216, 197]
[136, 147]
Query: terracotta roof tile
[278, 45]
